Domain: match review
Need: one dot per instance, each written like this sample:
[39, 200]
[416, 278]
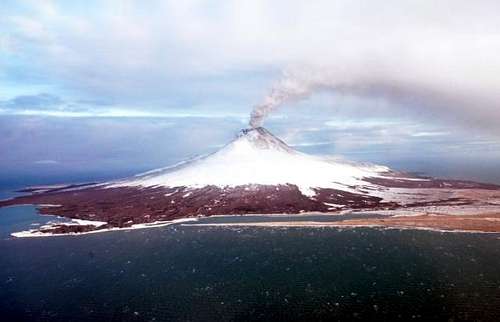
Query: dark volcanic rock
[124, 206]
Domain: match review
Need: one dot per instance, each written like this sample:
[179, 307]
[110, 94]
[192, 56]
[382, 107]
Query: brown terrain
[478, 222]
[122, 207]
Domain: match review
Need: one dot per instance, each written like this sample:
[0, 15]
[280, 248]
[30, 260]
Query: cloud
[46, 162]
[43, 104]
[429, 134]
[50, 105]
[38, 101]
[437, 58]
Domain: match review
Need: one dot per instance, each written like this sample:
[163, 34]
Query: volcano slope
[257, 173]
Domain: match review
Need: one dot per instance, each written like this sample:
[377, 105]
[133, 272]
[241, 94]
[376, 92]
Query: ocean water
[200, 273]
[19, 218]
[194, 273]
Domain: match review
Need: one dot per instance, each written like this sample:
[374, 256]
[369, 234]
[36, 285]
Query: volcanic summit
[256, 173]
[256, 157]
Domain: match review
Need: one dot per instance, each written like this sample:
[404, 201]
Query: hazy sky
[365, 75]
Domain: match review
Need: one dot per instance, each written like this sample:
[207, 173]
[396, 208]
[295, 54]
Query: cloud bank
[438, 58]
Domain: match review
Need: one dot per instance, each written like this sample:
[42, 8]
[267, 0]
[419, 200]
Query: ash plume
[475, 108]
[288, 89]
[295, 86]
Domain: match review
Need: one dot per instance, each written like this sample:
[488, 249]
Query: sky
[129, 85]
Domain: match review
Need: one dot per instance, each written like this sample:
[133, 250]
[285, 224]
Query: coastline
[400, 203]
[31, 233]
[305, 224]
[396, 219]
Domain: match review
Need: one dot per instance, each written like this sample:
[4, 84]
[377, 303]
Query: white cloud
[429, 134]
[46, 162]
[440, 55]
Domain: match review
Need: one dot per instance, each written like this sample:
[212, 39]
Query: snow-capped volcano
[256, 157]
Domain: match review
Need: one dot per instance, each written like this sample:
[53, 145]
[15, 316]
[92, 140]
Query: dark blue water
[19, 218]
[180, 273]
[195, 273]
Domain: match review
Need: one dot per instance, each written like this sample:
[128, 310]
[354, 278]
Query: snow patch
[38, 233]
[333, 205]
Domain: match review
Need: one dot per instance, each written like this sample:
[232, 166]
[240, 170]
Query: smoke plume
[287, 90]
[296, 85]
[429, 97]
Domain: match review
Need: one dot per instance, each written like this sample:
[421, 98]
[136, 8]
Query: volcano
[256, 157]
[256, 173]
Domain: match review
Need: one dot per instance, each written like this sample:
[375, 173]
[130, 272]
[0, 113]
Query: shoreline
[33, 233]
[340, 224]
[457, 206]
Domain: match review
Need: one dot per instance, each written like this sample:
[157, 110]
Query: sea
[227, 273]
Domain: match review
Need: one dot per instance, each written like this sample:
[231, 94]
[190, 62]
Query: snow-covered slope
[258, 157]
